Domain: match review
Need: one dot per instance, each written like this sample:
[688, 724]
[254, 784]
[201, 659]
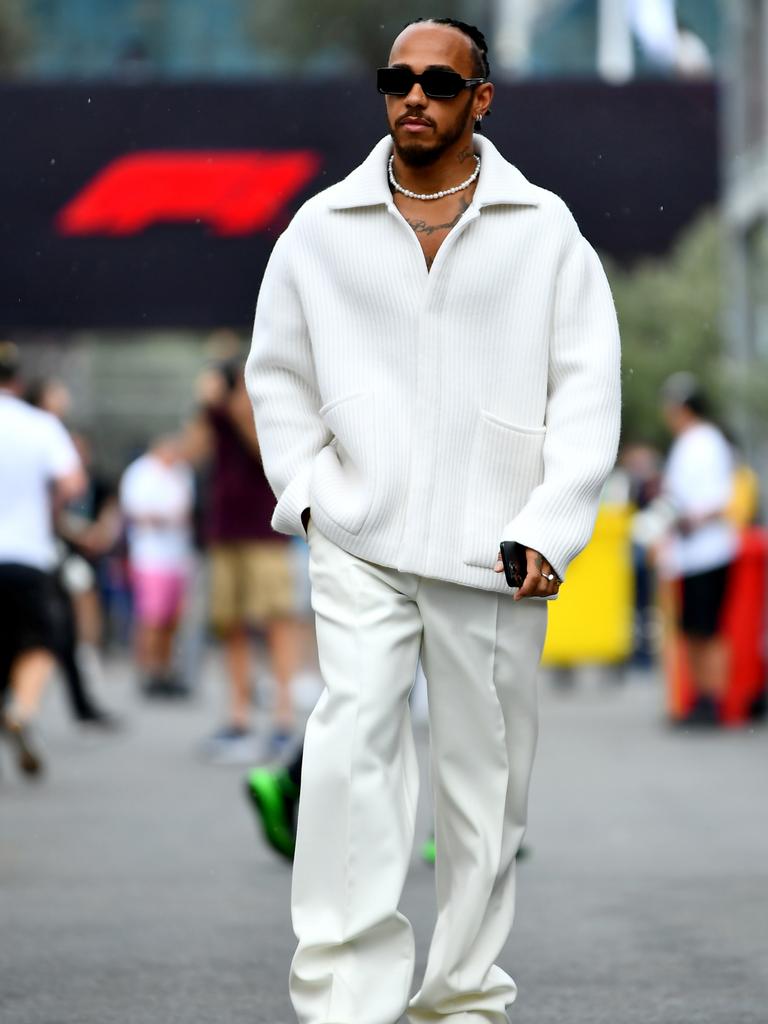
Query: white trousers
[480, 651]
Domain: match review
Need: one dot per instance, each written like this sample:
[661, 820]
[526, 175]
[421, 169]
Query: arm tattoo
[422, 228]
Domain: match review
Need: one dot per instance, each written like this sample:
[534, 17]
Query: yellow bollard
[591, 622]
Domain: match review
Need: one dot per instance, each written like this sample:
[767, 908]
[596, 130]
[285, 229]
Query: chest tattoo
[421, 227]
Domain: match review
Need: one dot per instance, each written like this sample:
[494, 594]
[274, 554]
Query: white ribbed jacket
[424, 416]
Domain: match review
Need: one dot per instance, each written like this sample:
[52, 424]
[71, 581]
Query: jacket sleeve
[582, 415]
[281, 382]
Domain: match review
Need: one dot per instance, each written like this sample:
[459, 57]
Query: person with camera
[253, 584]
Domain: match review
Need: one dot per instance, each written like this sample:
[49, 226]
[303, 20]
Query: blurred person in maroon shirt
[253, 582]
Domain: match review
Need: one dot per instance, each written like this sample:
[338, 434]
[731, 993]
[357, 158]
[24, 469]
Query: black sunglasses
[437, 83]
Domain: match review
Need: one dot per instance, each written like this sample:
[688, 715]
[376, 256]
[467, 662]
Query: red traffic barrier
[743, 628]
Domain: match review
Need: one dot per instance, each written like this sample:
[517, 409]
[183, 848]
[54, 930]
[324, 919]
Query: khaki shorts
[252, 582]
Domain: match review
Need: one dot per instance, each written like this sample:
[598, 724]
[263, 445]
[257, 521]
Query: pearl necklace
[432, 195]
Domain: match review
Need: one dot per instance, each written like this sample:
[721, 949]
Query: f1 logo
[234, 192]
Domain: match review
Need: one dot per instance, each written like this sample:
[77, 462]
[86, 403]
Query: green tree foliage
[15, 35]
[357, 33]
[669, 312]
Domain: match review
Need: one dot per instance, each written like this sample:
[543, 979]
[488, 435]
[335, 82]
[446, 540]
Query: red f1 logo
[235, 192]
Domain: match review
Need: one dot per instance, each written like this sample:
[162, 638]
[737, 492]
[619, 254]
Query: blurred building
[745, 184]
[617, 39]
[201, 39]
[137, 39]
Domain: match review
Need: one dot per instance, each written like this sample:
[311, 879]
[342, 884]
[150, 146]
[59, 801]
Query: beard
[421, 154]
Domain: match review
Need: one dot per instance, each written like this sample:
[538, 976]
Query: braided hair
[482, 67]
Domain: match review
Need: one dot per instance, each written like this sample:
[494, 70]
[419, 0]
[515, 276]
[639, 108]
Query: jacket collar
[500, 182]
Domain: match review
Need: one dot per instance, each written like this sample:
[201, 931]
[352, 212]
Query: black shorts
[702, 602]
[27, 618]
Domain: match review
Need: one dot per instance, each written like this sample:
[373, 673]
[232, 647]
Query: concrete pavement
[134, 888]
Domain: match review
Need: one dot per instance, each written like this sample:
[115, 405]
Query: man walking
[39, 471]
[434, 370]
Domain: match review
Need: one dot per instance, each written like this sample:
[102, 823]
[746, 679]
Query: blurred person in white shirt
[77, 601]
[39, 472]
[702, 542]
[156, 498]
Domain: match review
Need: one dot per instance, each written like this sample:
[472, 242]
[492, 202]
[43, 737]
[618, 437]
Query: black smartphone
[515, 562]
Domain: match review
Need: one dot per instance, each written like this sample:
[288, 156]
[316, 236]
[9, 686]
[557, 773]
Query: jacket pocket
[328, 408]
[505, 466]
[343, 472]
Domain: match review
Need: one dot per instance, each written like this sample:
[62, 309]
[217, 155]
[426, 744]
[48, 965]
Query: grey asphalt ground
[134, 888]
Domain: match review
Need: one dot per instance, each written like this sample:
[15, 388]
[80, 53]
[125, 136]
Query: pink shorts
[158, 595]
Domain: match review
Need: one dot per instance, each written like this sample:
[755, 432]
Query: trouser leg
[481, 654]
[80, 698]
[294, 769]
[354, 961]
[63, 612]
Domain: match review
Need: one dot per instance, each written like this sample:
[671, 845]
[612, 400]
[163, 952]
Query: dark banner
[149, 205]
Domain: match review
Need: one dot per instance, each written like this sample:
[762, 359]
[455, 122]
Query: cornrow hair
[482, 67]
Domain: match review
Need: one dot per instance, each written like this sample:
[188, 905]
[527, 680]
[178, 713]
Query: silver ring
[548, 576]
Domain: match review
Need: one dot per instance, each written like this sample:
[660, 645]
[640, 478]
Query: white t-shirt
[35, 450]
[150, 488]
[698, 479]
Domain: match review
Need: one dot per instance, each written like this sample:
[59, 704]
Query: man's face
[423, 128]
[674, 416]
[168, 450]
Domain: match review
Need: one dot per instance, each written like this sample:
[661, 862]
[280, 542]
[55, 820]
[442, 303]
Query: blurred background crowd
[155, 149]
